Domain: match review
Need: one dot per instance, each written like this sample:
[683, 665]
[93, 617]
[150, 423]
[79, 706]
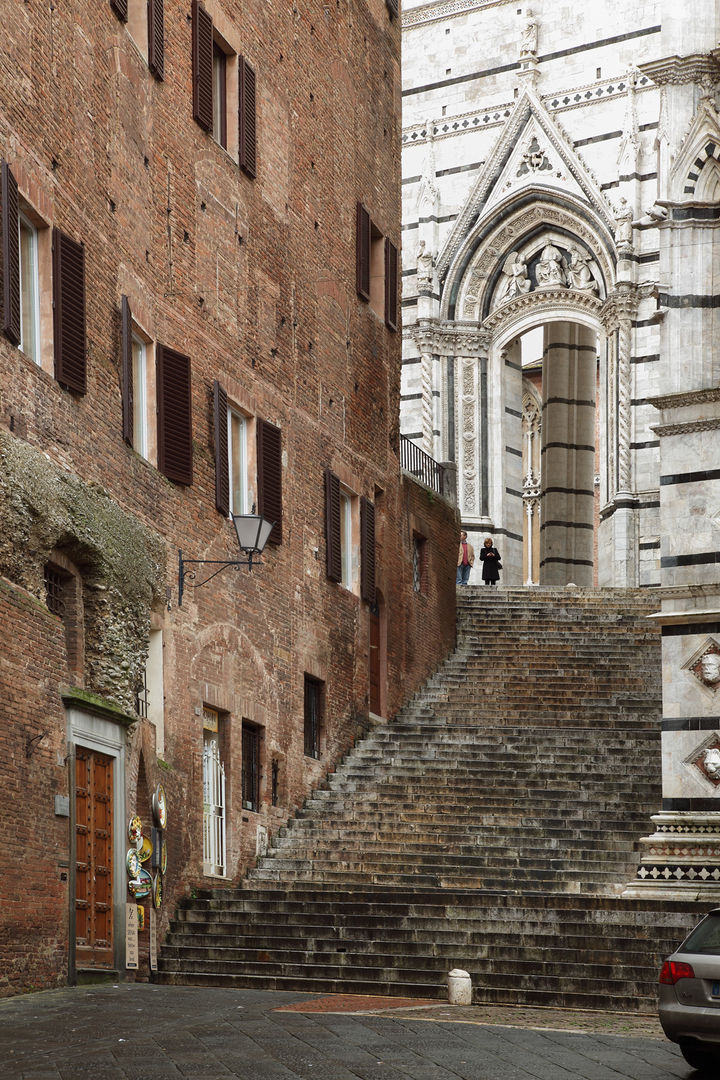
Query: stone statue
[711, 761]
[624, 228]
[579, 273]
[424, 265]
[528, 42]
[710, 665]
[550, 273]
[516, 282]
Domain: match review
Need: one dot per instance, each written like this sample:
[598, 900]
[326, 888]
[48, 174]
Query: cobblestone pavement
[146, 1032]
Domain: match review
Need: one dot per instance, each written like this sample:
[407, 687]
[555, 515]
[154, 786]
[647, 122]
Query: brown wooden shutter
[393, 7]
[10, 256]
[269, 469]
[120, 7]
[222, 465]
[156, 37]
[248, 122]
[202, 59]
[69, 312]
[127, 370]
[367, 550]
[391, 284]
[362, 252]
[333, 548]
[174, 415]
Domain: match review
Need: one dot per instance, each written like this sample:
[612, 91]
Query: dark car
[690, 995]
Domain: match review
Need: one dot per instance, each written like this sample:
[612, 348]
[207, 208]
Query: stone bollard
[459, 987]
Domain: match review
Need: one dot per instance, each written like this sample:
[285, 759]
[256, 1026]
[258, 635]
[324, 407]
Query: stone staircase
[491, 826]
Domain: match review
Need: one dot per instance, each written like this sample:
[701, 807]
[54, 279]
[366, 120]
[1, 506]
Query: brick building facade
[200, 216]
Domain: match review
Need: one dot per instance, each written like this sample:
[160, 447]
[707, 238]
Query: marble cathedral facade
[561, 308]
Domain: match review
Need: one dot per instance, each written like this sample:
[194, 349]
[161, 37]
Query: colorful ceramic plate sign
[159, 806]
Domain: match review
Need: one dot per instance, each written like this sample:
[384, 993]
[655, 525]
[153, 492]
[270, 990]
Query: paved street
[145, 1032]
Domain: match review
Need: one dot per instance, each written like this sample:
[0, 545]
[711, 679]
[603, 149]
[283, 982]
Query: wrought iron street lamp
[253, 532]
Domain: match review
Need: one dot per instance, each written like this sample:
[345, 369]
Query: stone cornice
[620, 306]
[678, 70]
[444, 10]
[685, 398]
[451, 338]
[688, 428]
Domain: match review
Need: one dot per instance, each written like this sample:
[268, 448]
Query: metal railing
[419, 464]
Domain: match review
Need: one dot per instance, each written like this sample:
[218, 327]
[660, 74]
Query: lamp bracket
[221, 565]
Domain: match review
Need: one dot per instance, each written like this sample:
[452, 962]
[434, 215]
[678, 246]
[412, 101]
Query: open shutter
[391, 284]
[393, 7]
[156, 37]
[247, 119]
[362, 252]
[269, 467]
[10, 256]
[367, 550]
[174, 415]
[202, 58]
[127, 370]
[120, 7]
[222, 465]
[333, 548]
[69, 312]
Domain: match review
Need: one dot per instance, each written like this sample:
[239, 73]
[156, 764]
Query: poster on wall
[131, 937]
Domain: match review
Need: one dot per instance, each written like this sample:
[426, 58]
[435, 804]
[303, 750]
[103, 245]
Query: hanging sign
[131, 937]
[153, 940]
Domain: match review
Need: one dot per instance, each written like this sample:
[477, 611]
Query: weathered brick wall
[255, 281]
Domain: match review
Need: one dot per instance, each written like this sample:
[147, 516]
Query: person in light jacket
[490, 558]
[466, 558]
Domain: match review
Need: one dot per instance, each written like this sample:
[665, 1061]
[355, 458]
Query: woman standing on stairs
[490, 558]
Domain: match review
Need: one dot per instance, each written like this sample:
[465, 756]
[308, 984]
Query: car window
[705, 938]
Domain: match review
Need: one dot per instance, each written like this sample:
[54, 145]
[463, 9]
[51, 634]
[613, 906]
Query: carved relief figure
[515, 281]
[550, 272]
[710, 667]
[624, 228]
[528, 42]
[711, 761]
[579, 273]
[424, 265]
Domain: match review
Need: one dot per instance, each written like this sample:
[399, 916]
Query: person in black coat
[490, 558]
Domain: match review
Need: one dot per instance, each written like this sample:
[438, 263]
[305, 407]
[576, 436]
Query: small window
[219, 97]
[313, 715]
[250, 767]
[237, 462]
[139, 359]
[29, 289]
[345, 539]
[419, 564]
[138, 386]
[63, 596]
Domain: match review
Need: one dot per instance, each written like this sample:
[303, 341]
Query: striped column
[568, 454]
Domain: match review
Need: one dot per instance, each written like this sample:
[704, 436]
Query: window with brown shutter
[391, 284]
[362, 252]
[120, 7]
[10, 256]
[367, 550]
[247, 110]
[127, 370]
[156, 37]
[69, 312]
[174, 415]
[269, 469]
[222, 470]
[202, 62]
[333, 543]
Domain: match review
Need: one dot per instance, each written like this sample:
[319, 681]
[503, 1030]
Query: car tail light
[673, 970]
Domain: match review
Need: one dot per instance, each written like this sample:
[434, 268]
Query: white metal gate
[213, 809]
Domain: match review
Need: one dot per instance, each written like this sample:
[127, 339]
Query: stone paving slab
[146, 1032]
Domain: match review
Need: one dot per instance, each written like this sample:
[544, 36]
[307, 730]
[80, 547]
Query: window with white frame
[237, 461]
[139, 420]
[29, 289]
[346, 538]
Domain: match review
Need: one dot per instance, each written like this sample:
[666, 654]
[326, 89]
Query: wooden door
[375, 695]
[94, 858]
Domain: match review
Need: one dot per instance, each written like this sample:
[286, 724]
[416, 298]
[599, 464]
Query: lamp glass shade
[252, 532]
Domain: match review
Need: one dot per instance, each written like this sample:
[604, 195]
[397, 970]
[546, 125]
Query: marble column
[568, 454]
